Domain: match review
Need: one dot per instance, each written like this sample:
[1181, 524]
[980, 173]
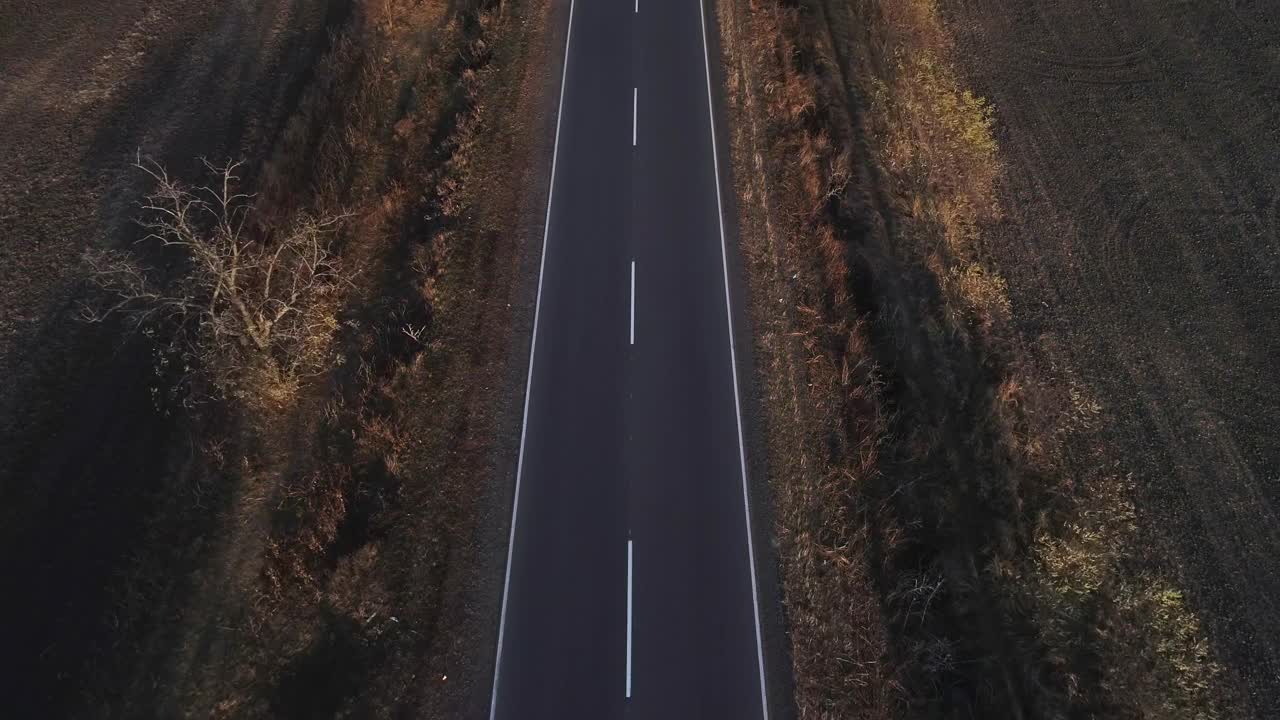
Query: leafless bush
[252, 308]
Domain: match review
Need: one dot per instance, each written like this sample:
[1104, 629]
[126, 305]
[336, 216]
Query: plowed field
[1142, 249]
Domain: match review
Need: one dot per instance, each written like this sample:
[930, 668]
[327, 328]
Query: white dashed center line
[628, 618]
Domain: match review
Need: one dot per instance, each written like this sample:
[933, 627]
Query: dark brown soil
[85, 455]
[1141, 248]
[334, 556]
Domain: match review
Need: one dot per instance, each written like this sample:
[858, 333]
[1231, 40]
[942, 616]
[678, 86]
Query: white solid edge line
[733, 360]
[628, 618]
[528, 386]
[633, 302]
[635, 109]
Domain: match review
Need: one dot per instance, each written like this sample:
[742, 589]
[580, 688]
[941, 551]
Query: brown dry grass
[334, 567]
[354, 599]
[817, 377]
[947, 547]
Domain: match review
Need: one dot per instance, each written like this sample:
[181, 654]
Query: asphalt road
[630, 589]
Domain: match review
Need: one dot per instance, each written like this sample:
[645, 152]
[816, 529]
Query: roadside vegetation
[254, 310]
[326, 324]
[951, 545]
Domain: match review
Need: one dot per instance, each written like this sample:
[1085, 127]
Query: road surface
[630, 589]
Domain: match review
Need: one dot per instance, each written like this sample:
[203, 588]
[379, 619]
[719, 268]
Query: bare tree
[255, 307]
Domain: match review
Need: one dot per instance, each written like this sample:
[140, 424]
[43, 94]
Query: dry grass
[948, 549]
[344, 512]
[358, 587]
[1084, 577]
[819, 382]
[390, 135]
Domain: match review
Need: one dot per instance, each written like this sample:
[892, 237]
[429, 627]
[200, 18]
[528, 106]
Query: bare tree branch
[251, 302]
